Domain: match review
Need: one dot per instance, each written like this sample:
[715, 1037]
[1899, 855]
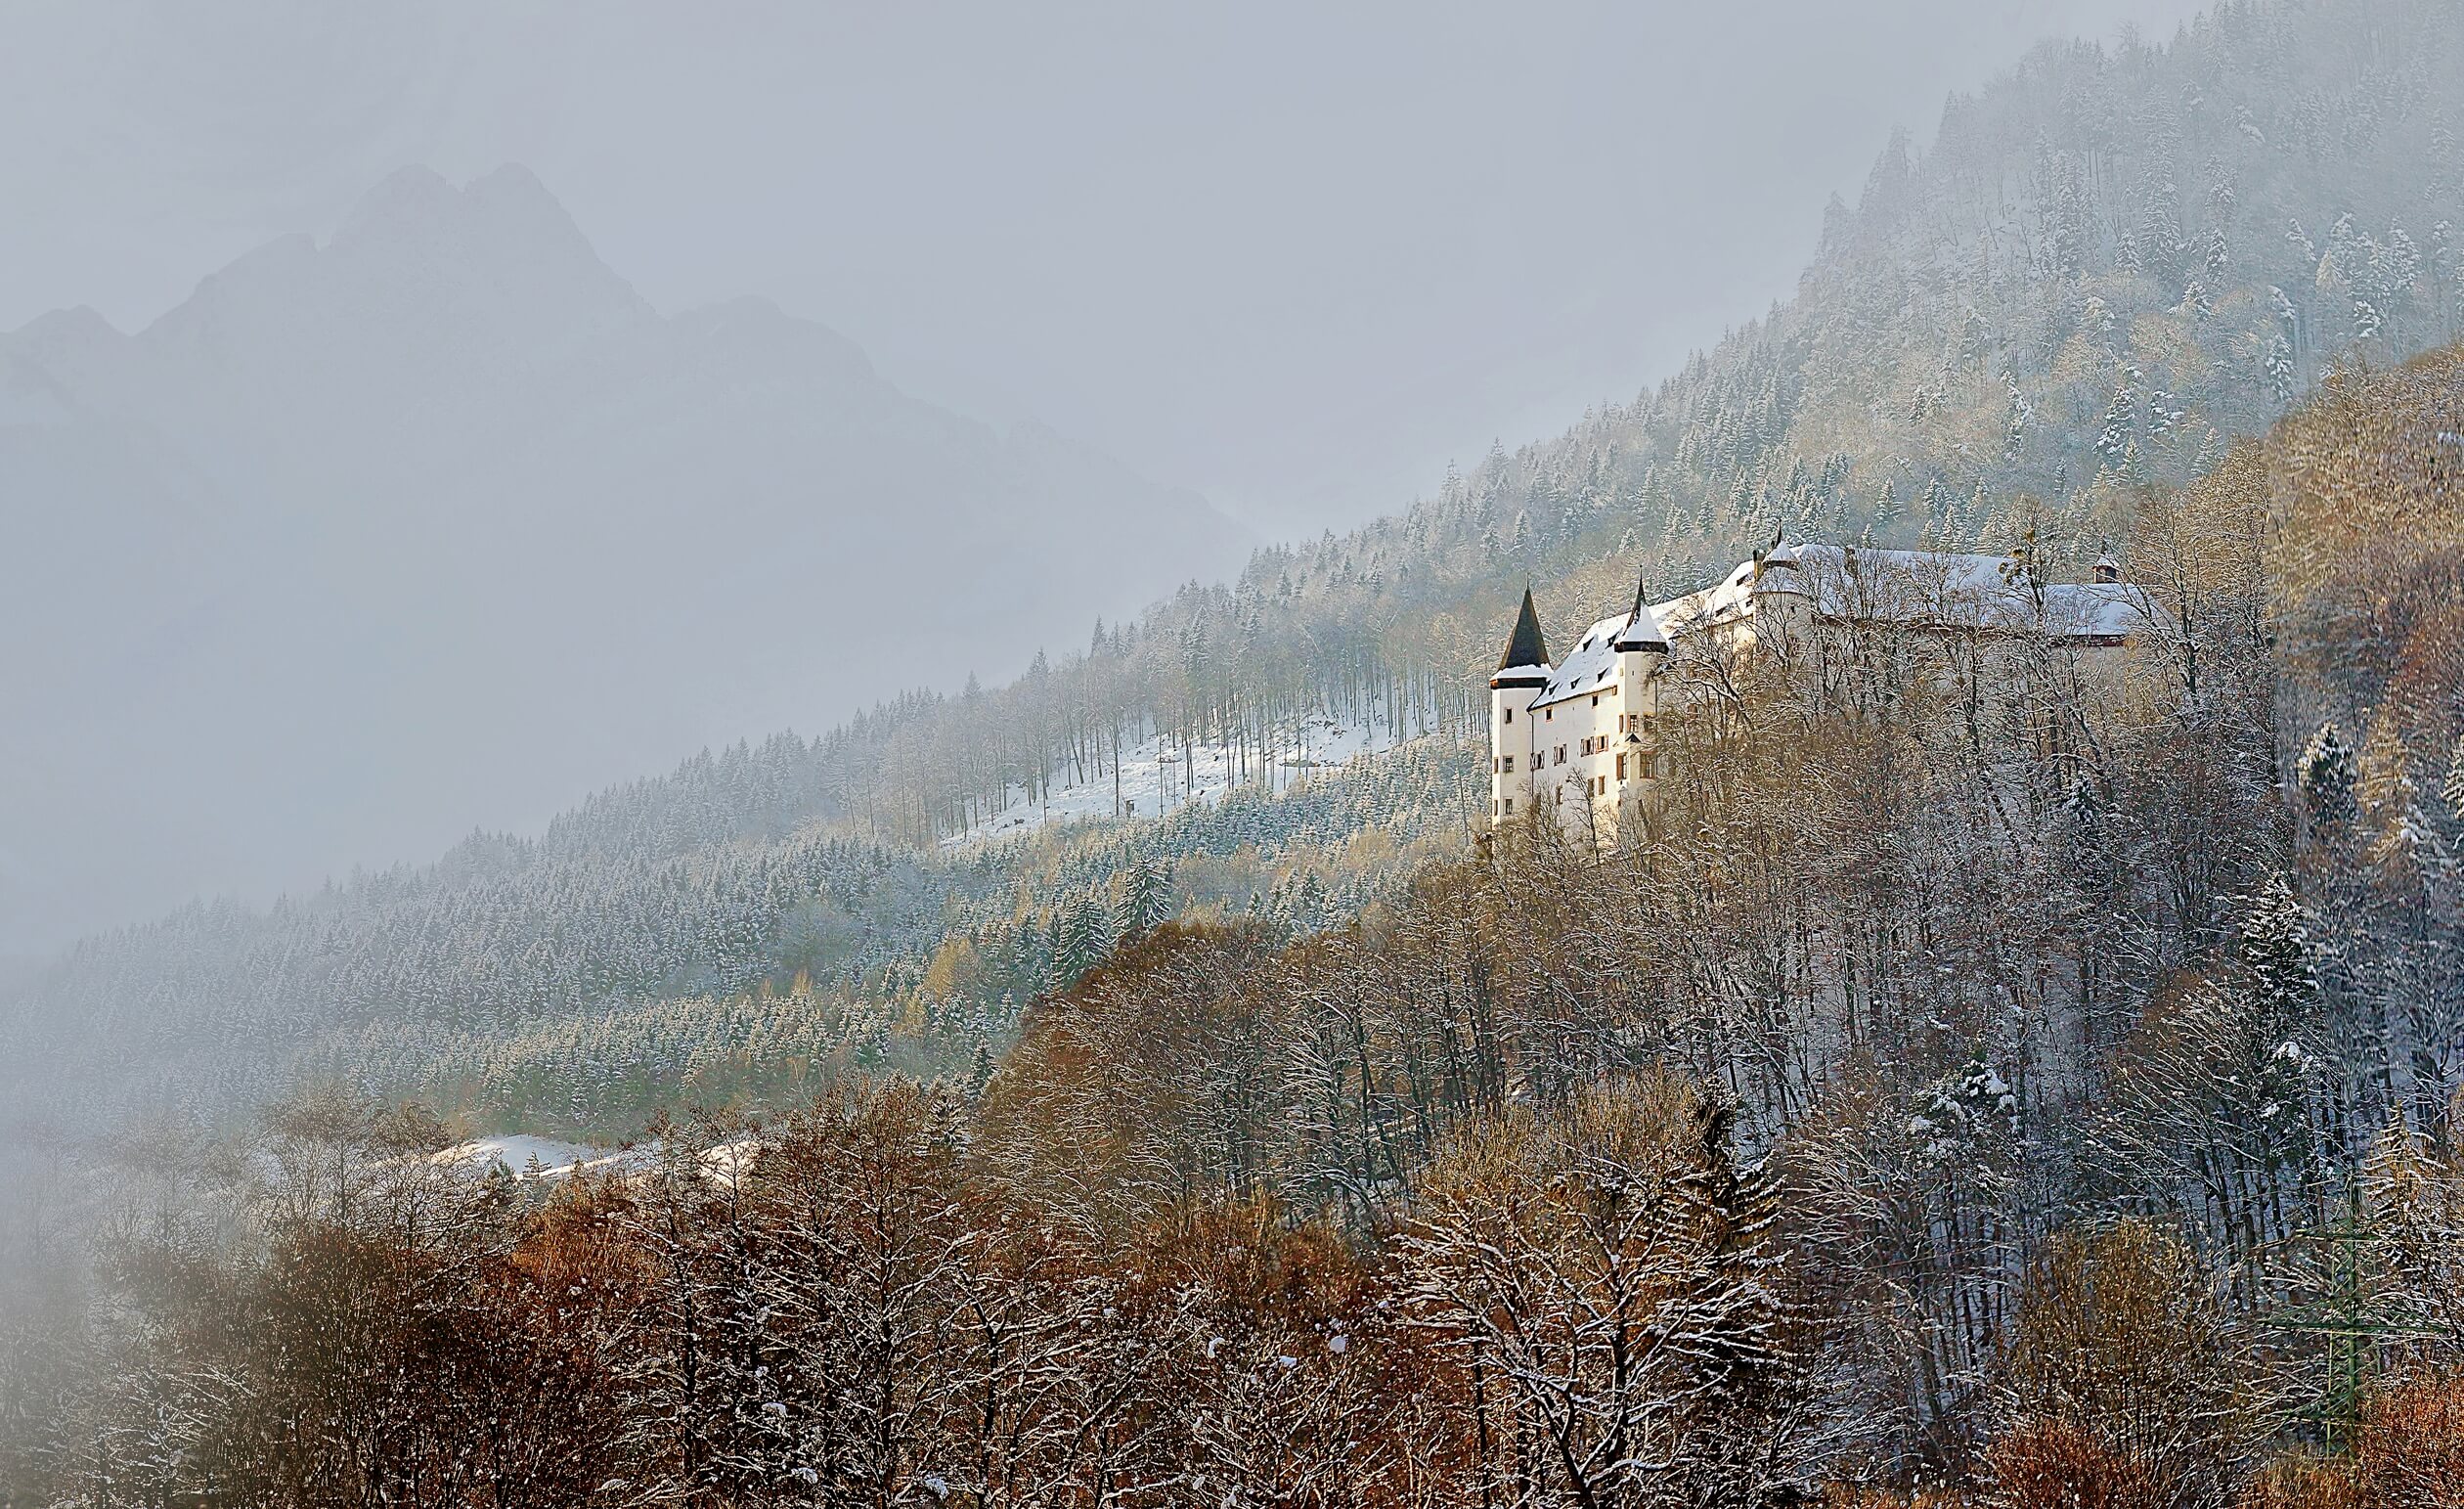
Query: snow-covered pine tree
[2326, 772]
[1146, 897]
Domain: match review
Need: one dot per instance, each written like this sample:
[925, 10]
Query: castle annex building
[1575, 737]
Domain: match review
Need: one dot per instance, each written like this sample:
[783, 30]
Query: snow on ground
[516, 1154]
[1154, 779]
[545, 1158]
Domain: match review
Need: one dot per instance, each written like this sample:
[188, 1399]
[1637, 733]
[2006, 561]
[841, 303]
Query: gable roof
[1935, 587]
[1593, 661]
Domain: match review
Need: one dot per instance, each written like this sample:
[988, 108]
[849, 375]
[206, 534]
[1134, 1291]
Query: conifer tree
[2326, 772]
[1146, 897]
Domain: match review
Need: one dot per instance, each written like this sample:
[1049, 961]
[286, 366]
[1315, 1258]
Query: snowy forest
[1974, 1088]
[1983, 1081]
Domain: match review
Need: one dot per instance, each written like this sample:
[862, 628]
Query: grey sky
[1295, 256]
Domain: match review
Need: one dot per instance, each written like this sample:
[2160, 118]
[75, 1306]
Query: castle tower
[1642, 648]
[1522, 671]
[1779, 597]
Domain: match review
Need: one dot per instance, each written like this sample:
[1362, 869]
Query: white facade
[1575, 737]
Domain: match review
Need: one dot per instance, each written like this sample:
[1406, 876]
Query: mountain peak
[512, 194]
[511, 183]
[79, 328]
[408, 197]
[418, 206]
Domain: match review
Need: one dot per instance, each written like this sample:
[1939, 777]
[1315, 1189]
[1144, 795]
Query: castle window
[1594, 700]
[1509, 806]
[1510, 715]
[1561, 758]
[1621, 759]
[1509, 765]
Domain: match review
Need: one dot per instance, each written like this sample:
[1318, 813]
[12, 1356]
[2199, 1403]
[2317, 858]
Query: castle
[1576, 736]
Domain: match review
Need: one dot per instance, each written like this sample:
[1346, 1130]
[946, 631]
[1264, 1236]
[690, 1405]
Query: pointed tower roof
[1642, 629]
[1525, 646]
[1525, 662]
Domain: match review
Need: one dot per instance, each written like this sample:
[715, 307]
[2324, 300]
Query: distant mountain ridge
[440, 511]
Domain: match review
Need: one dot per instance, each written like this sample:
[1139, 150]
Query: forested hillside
[579, 983]
[2011, 1076]
[2105, 266]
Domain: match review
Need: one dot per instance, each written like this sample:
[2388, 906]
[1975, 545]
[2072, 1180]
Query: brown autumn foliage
[2054, 1464]
[352, 1367]
[2408, 1453]
[2367, 478]
[2127, 1371]
[1607, 1282]
[1147, 1085]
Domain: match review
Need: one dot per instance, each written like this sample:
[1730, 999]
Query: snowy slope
[545, 1158]
[518, 1154]
[1156, 780]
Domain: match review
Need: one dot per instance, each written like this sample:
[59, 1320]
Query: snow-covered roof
[1642, 631]
[1592, 663]
[1921, 586]
[2100, 609]
[1936, 588]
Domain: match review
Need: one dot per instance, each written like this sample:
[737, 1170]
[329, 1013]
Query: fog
[1288, 258]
